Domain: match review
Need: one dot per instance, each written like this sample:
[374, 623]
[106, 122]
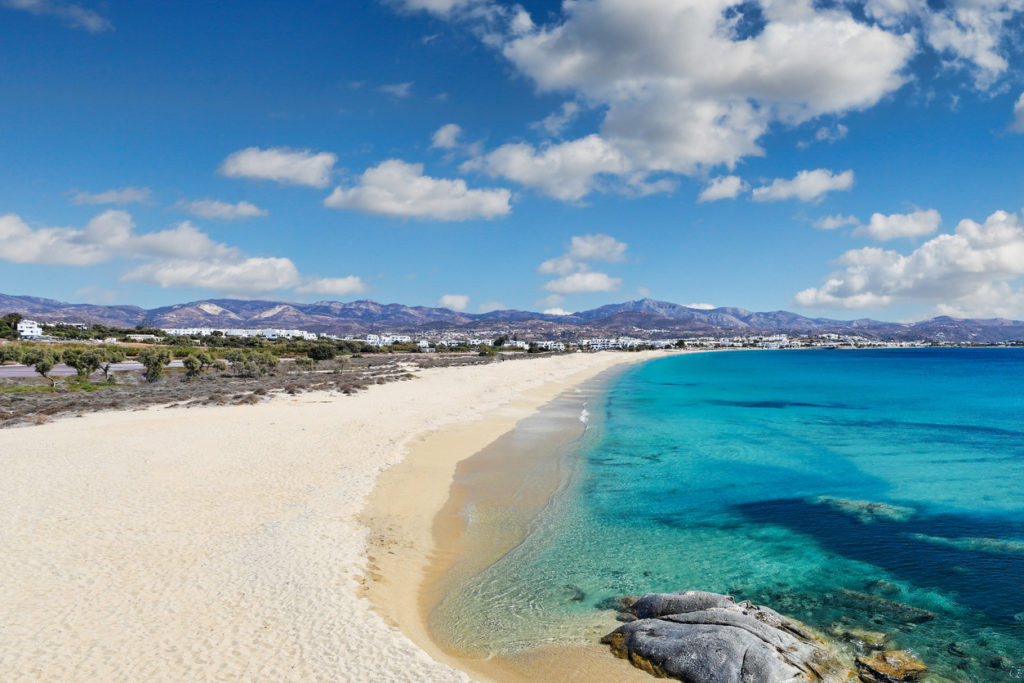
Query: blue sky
[845, 160]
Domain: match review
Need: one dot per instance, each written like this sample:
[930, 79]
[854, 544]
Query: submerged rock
[871, 640]
[894, 666]
[867, 511]
[709, 638]
[893, 610]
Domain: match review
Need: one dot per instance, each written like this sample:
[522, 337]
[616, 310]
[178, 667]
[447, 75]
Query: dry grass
[26, 402]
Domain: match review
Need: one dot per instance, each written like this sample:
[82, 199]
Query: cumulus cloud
[597, 247]
[835, 222]
[584, 248]
[399, 189]
[555, 123]
[970, 271]
[556, 311]
[446, 137]
[689, 85]
[723, 187]
[442, 7]
[124, 195]
[1017, 125]
[489, 306]
[807, 186]
[969, 33]
[211, 208]
[248, 276]
[681, 93]
[566, 171]
[829, 134]
[107, 236]
[456, 302]
[915, 224]
[333, 286]
[74, 16]
[281, 164]
[577, 283]
[400, 90]
[181, 256]
[702, 307]
[550, 301]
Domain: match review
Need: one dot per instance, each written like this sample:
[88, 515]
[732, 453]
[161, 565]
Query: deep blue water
[814, 482]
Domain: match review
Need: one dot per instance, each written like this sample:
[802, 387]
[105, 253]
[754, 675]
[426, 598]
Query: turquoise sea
[881, 490]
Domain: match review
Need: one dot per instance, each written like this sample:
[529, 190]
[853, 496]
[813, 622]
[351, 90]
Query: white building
[30, 329]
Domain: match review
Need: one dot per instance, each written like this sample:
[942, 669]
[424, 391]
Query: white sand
[221, 543]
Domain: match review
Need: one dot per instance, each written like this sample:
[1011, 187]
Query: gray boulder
[709, 638]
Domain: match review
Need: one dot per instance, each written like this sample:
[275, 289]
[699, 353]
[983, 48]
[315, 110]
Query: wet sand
[491, 480]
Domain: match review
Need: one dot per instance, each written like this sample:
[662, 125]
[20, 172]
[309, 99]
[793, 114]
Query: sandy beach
[225, 543]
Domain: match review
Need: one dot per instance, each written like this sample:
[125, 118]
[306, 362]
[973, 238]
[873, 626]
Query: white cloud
[442, 7]
[827, 134]
[970, 271]
[973, 33]
[281, 164]
[560, 265]
[182, 256]
[681, 93]
[211, 208]
[597, 247]
[456, 302]
[723, 187]
[400, 90]
[124, 195]
[556, 311]
[399, 189]
[1017, 125]
[74, 16]
[806, 186]
[915, 224]
[690, 85]
[555, 123]
[107, 236]
[574, 267]
[577, 283]
[446, 137]
[489, 306]
[333, 286]
[835, 222]
[702, 307]
[582, 248]
[248, 276]
[564, 171]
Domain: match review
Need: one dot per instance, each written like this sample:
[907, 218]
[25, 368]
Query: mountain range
[644, 317]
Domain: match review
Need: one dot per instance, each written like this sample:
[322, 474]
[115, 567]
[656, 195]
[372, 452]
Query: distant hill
[641, 317]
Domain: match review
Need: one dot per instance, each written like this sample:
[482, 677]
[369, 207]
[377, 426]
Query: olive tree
[153, 360]
[111, 356]
[319, 352]
[84, 362]
[11, 353]
[43, 361]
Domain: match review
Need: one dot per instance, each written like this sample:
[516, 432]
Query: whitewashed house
[29, 329]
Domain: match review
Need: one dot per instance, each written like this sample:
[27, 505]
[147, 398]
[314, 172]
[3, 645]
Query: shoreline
[418, 534]
[224, 541]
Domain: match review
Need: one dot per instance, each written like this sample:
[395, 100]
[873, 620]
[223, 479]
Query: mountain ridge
[642, 317]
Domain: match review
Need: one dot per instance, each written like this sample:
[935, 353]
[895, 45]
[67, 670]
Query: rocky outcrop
[895, 666]
[710, 638]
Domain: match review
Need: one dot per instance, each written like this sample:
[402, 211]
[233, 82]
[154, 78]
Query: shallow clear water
[735, 472]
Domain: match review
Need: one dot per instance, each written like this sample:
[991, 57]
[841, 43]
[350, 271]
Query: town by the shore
[225, 542]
